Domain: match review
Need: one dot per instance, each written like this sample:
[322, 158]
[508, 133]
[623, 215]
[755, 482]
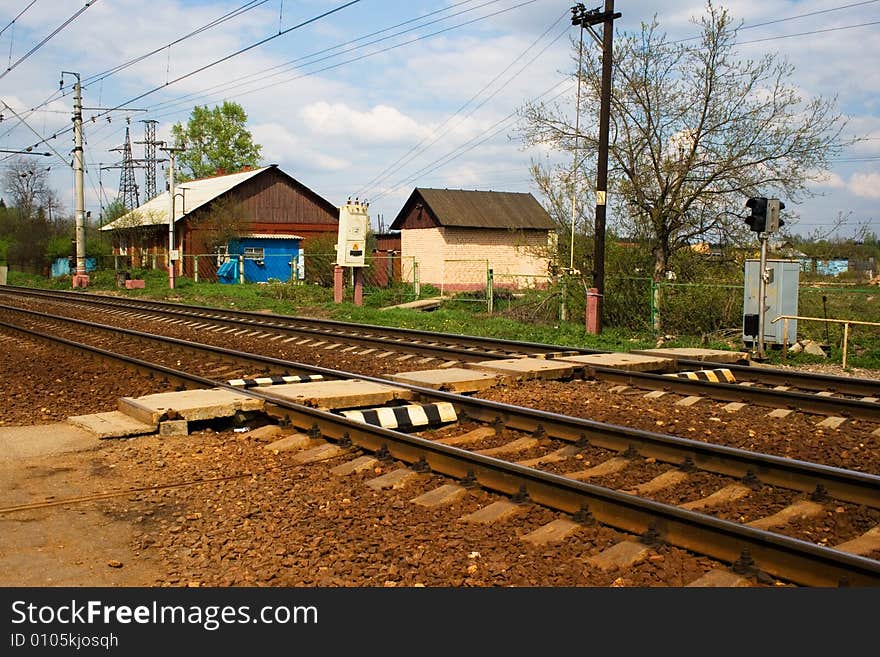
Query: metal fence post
[417, 287]
[654, 289]
[490, 291]
[845, 339]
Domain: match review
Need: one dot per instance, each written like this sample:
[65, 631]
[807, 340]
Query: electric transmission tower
[128, 189]
[149, 161]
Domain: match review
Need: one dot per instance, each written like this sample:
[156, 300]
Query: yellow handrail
[845, 322]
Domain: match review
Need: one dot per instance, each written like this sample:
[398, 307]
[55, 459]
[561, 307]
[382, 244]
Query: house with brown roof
[249, 214]
[456, 236]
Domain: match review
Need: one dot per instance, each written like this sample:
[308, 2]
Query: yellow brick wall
[455, 258]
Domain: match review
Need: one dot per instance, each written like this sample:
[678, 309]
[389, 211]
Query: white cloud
[866, 185]
[827, 179]
[381, 124]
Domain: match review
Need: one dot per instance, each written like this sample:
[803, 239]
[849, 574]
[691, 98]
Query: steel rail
[801, 401]
[491, 346]
[821, 480]
[748, 549]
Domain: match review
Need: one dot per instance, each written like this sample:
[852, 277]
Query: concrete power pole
[80, 278]
[172, 253]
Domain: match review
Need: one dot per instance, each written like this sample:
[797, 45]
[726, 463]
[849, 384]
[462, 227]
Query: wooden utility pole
[588, 19]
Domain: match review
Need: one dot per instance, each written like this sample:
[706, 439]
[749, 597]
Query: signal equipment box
[781, 299]
[354, 219]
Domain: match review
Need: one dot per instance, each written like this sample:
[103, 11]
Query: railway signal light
[757, 221]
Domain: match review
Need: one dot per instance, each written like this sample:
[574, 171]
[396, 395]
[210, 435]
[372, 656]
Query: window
[254, 253]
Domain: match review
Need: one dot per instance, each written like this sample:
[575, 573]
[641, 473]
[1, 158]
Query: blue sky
[376, 119]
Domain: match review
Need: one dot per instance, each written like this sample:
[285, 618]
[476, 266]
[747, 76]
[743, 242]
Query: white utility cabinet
[781, 299]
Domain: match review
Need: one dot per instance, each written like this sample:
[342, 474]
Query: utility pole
[172, 252]
[588, 19]
[80, 278]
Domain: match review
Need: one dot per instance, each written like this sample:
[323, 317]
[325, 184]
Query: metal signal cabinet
[781, 299]
[354, 219]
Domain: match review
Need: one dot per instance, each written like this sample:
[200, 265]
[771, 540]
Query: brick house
[457, 235]
[262, 207]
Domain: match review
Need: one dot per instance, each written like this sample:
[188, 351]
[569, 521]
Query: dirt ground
[280, 526]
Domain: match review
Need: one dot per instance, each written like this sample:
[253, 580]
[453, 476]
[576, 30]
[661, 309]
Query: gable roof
[196, 194]
[478, 209]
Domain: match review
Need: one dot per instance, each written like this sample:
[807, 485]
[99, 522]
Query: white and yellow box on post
[354, 219]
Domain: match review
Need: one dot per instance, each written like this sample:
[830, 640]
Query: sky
[372, 98]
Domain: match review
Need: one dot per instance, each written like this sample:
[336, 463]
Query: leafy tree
[695, 130]
[113, 211]
[222, 223]
[216, 140]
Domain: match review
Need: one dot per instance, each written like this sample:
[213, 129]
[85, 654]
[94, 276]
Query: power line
[43, 42]
[496, 128]
[252, 4]
[370, 54]
[789, 18]
[211, 64]
[415, 151]
[240, 51]
[812, 13]
[253, 77]
[10, 23]
[830, 29]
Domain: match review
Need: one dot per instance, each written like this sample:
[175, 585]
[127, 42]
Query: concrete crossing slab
[347, 393]
[451, 379]
[202, 404]
[694, 353]
[624, 361]
[527, 368]
[113, 424]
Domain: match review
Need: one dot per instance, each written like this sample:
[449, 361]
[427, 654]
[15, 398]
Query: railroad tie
[722, 375]
[405, 417]
[273, 380]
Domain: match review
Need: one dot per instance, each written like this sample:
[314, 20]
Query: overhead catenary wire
[59, 133]
[211, 64]
[235, 13]
[20, 14]
[362, 57]
[253, 77]
[47, 38]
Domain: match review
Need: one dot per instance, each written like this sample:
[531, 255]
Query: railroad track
[481, 446]
[834, 396]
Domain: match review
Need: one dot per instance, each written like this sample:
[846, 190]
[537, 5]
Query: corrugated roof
[479, 209]
[190, 196]
[273, 236]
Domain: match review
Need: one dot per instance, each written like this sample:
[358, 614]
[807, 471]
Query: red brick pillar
[337, 283]
[358, 286]
[592, 314]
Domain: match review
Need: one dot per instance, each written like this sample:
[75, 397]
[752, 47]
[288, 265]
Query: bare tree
[695, 131]
[27, 187]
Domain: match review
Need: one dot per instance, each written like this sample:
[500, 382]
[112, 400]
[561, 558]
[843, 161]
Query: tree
[34, 215]
[216, 140]
[695, 131]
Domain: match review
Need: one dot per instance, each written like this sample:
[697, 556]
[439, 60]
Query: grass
[509, 322]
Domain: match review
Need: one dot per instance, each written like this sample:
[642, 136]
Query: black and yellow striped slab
[273, 380]
[722, 375]
[405, 417]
